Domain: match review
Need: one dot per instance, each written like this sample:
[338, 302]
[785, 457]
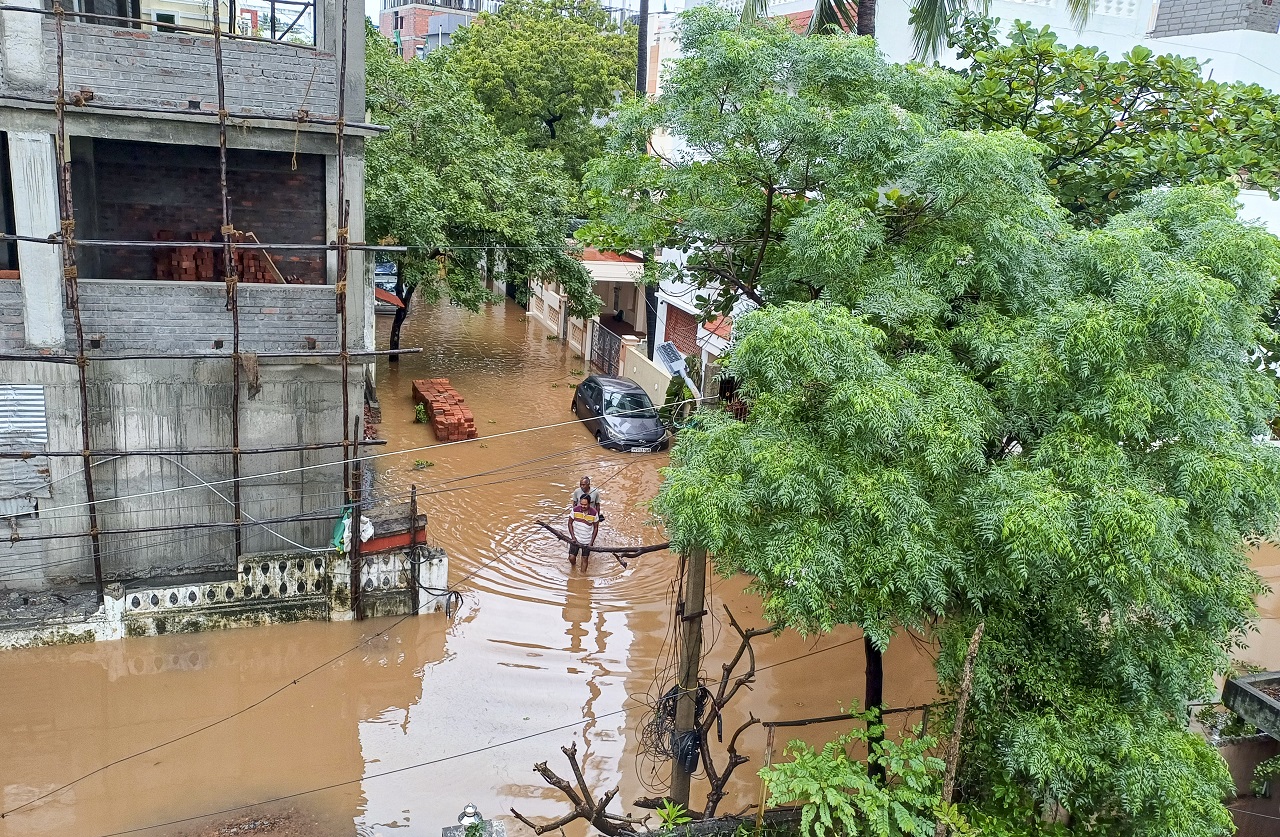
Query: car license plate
[642, 450]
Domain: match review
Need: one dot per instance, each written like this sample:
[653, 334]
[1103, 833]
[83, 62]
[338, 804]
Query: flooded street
[394, 736]
[393, 725]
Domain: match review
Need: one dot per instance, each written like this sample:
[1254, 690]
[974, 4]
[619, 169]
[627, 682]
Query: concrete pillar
[660, 327]
[35, 210]
[630, 343]
[339, 571]
[433, 572]
[24, 66]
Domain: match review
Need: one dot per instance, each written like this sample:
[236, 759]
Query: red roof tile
[721, 327]
[591, 254]
[799, 21]
[387, 297]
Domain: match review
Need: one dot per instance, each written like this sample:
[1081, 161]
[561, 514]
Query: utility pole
[690, 613]
[642, 51]
[642, 90]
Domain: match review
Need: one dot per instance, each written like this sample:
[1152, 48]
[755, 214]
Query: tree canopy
[1113, 129]
[962, 408]
[444, 181]
[547, 71]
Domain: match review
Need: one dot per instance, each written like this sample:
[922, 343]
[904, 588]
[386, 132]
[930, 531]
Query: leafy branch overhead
[548, 71]
[445, 181]
[964, 409]
[1113, 129]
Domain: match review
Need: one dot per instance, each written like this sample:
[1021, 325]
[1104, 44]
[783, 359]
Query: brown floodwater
[394, 725]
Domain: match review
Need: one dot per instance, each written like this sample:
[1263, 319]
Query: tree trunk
[874, 698]
[953, 747]
[405, 294]
[867, 17]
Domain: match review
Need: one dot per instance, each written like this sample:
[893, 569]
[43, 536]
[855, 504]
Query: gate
[606, 349]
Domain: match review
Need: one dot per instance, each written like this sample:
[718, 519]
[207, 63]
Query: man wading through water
[584, 487]
[584, 525]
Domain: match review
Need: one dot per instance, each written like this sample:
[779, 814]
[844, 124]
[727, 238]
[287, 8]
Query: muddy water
[427, 715]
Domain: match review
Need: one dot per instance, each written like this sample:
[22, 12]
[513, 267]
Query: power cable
[430, 762]
[367, 458]
[452, 589]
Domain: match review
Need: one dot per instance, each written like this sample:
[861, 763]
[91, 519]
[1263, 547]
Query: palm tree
[930, 19]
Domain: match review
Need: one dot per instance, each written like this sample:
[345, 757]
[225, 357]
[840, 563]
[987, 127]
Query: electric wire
[366, 458]
[432, 762]
[452, 589]
[382, 498]
[242, 710]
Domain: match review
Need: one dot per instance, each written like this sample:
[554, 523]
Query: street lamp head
[470, 815]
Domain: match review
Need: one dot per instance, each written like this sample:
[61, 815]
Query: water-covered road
[392, 733]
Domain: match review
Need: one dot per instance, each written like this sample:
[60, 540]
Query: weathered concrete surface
[1256, 699]
[35, 211]
[266, 588]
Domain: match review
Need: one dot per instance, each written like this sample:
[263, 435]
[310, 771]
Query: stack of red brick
[451, 419]
[204, 264]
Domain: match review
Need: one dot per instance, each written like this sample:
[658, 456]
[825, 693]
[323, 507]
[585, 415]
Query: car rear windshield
[629, 404]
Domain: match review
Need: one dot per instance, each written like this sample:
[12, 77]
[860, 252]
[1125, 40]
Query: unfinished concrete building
[172, 364]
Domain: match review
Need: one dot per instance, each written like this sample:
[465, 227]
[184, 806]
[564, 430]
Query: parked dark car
[619, 414]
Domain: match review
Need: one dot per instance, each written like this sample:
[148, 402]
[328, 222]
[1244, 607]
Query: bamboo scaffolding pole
[340, 282]
[199, 355]
[218, 245]
[66, 239]
[301, 116]
[415, 586]
[232, 280]
[14, 537]
[166, 27]
[70, 276]
[32, 454]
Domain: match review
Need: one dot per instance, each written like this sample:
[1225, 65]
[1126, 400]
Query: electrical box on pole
[690, 613]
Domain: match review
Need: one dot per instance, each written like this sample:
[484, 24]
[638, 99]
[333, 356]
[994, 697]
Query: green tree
[548, 71]
[962, 408]
[444, 182]
[1114, 129]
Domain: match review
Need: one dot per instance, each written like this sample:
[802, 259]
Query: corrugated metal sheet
[24, 477]
[22, 415]
[17, 507]
[22, 427]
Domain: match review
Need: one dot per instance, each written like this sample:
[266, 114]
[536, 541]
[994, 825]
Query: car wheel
[573, 407]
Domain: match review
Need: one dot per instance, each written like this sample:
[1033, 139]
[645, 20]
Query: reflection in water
[431, 715]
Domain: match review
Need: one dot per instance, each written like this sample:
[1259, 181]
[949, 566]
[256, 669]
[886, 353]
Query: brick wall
[190, 316]
[140, 188]
[1192, 17]
[682, 329]
[1263, 17]
[160, 69]
[427, 26]
[12, 335]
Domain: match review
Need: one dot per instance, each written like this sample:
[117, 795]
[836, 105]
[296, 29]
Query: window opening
[8, 249]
